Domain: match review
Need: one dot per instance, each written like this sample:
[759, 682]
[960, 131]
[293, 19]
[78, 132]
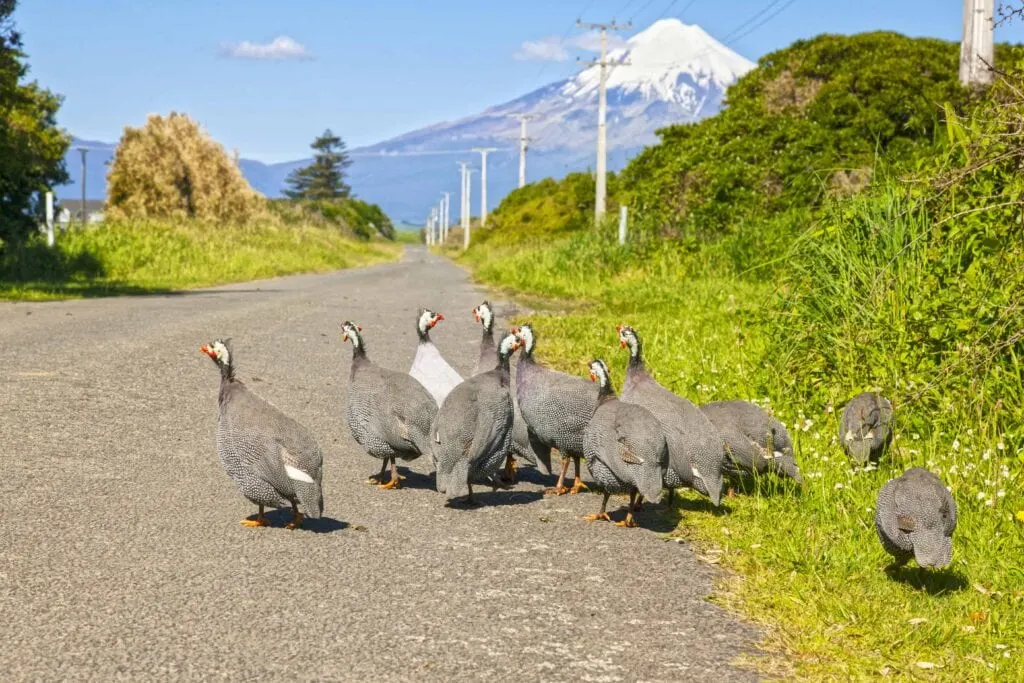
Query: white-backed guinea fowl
[473, 429]
[915, 516]
[389, 412]
[625, 448]
[865, 427]
[274, 461]
[428, 366]
[488, 360]
[696, 449]
[755, 440]
[556, 408]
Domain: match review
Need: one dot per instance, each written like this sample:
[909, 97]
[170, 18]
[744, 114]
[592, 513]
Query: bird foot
[731, 493]
[556, 491]
[259, 521]
[375, 479]
[393, 484]
[598, 517]
[295, 523]
[628, 522]
[577, 487]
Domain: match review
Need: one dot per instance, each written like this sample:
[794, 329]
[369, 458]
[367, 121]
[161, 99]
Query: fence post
[622, 224]
[49, 219]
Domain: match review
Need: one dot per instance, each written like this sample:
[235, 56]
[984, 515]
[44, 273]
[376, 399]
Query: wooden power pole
[976, 48]
[602, 112]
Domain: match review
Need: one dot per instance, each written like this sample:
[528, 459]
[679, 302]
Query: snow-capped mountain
[670, 72]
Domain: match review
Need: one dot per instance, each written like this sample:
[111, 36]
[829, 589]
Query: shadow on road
[324, 525]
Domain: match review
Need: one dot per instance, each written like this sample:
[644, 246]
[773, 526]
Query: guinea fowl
[864, 429]
[696, 449]
[389, 412]
[428, 367]
[755, 440]
[473, 429]
[625, 448]
[274, 461]
[488, 360]
[915, 516]
[556, 408]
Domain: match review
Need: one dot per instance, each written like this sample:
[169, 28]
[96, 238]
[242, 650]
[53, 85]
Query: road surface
[122, 556]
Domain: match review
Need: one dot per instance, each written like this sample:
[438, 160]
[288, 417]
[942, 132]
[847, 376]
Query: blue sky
[266, 76]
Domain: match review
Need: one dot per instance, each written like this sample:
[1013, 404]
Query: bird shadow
[762, 485]
[417, 480]
[934, 582]
[684, 503]
[323, 525]
[533, 475]
[499, 498]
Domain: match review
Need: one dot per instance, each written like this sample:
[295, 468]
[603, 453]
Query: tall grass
[875, 296]
[147, 256]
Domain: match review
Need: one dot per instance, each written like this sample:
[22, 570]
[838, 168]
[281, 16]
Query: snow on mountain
[672, 72]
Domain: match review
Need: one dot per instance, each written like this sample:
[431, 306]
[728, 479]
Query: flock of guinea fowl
[474, 430]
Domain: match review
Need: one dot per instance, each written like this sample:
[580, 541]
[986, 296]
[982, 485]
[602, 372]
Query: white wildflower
[981, 495]
[1000, 493]
[1001, 446]
[956, 444]
[990, 503]
[915, 436]
[838, 486]
[986, 455]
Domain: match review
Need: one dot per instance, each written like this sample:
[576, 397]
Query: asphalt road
[122, 556]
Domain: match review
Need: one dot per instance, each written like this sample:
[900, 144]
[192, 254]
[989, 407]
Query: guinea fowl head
[525, 334]
[509, 343]
[484, 315]
[426, 321]
[707, 477]
[220, 352]
[350, 331]
[599, 372]
[629, 339]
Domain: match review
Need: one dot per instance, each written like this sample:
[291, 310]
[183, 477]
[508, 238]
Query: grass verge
[806, 563]
[153, 257]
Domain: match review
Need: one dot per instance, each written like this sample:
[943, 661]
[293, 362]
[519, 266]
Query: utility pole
[462, 196]
[976, 48]
[483, 181]
[602, 112]
[469, 218]
[445, 215]
[523, 140]
[83, 151]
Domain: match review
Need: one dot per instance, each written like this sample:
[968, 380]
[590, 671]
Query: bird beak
[618, 328]
[359, 327]
[476, 315]
[208, 351]
[622, 344]
[344, 336]
[593, 377]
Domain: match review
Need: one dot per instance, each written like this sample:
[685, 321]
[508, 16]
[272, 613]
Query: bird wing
[434, 372]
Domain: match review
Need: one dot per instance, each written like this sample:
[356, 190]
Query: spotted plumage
[755, 440]
[865, 428]
[274, 461]
[556, 408]
[473, 428]
[389, 412]
[696, 449]
[624, 445]
[915, 516]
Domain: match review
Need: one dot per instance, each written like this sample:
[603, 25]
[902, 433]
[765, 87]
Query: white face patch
[486, 316]
[424, 323]
[298, 475]
[508, 344]
[352, 334]
[222, 353]
[526, 334]
[600, 372]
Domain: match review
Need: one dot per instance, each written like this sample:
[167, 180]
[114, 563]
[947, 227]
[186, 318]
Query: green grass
[806, 564]
[140, 258]
[408, 237]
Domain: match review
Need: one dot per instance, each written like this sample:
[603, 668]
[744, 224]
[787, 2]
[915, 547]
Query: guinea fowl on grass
[755, 441]
[865, 427]
[428, 366]
[473, 429]
[915, 516]
[696, 449]
[274, 461]
[389, 412]
[556, 408]
[488, 360]
[625, 448]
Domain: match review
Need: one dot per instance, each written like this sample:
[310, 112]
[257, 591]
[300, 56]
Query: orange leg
[602, 515]
[296, 519]
[629, 521]
[259, 521]
[577, 482]
[395, 482]
[560, 486]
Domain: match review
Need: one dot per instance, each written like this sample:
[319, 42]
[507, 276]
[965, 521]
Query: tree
[32, 147]
[325, 177]
[170, 168]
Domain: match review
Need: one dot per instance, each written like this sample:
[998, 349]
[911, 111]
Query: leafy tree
[32, 147]
[325, 177]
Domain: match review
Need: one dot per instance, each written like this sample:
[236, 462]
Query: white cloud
[554, 49]
[280, 48]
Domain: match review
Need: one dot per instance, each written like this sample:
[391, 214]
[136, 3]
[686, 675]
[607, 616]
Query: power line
[586, 6]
